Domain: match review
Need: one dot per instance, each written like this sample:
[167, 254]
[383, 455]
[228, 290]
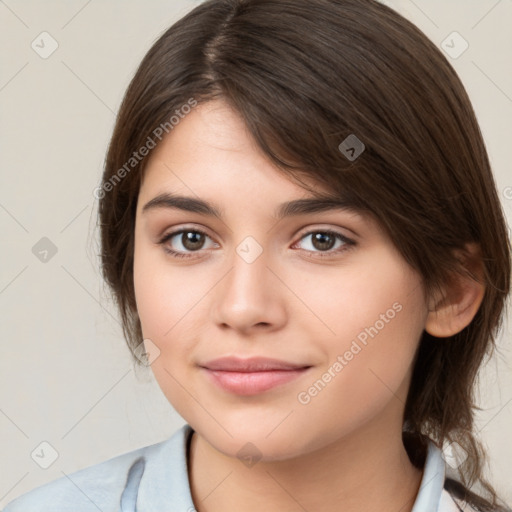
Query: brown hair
[304, 75]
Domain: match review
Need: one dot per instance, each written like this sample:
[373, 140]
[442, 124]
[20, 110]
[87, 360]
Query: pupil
[319, 241]
[192, 240]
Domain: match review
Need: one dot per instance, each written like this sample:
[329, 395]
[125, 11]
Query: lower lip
[252, 383]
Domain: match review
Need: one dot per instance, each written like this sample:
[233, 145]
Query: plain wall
[65, 373]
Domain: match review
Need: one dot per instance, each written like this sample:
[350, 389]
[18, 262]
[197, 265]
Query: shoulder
[97, 487]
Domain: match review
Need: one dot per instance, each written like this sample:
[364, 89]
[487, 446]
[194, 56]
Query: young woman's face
[326, 292]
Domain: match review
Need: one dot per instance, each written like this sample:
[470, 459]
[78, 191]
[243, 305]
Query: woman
[299, 219]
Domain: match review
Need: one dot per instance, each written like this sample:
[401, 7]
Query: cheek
[172, 306]
[376, 315]
[165, 305]
[362, 381]
[164, 295]
[377, 290]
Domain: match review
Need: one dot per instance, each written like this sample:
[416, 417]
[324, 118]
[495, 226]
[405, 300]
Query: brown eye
[192, 240]
[324, 243]
[183, 242]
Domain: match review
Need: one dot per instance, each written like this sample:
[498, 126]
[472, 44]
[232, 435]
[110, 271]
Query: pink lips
[251, 376]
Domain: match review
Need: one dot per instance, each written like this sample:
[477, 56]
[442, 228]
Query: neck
[367, 470]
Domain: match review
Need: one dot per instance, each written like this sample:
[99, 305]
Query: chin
[254, 444]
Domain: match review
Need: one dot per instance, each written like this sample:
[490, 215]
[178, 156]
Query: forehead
[211, 151]
[209, 164]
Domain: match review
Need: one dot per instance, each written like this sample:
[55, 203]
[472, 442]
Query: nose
[250, 296]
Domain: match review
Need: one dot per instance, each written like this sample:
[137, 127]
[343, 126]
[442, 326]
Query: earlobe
[454, 307]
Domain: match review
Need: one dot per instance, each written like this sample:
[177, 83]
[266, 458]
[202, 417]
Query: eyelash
[348, 243]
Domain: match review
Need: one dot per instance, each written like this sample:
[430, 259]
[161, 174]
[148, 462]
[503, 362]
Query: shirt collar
[432, 482]
[166, 469]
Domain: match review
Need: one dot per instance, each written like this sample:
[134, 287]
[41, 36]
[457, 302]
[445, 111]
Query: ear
[453, 309]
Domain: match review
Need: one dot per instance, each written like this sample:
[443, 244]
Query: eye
[181, 243]
[323, 241]
[184, 240]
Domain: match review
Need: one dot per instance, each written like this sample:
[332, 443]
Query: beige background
[65, 374]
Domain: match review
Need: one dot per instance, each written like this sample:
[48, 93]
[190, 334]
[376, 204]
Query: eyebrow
[290, 208]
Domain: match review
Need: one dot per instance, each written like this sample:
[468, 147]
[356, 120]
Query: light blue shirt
[155, 479]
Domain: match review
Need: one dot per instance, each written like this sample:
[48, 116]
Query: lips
[251, 376]
[253, 364]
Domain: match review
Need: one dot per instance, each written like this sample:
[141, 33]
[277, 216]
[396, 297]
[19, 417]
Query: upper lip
[253, 364]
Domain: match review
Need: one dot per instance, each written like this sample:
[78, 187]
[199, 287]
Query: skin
[342, 447]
